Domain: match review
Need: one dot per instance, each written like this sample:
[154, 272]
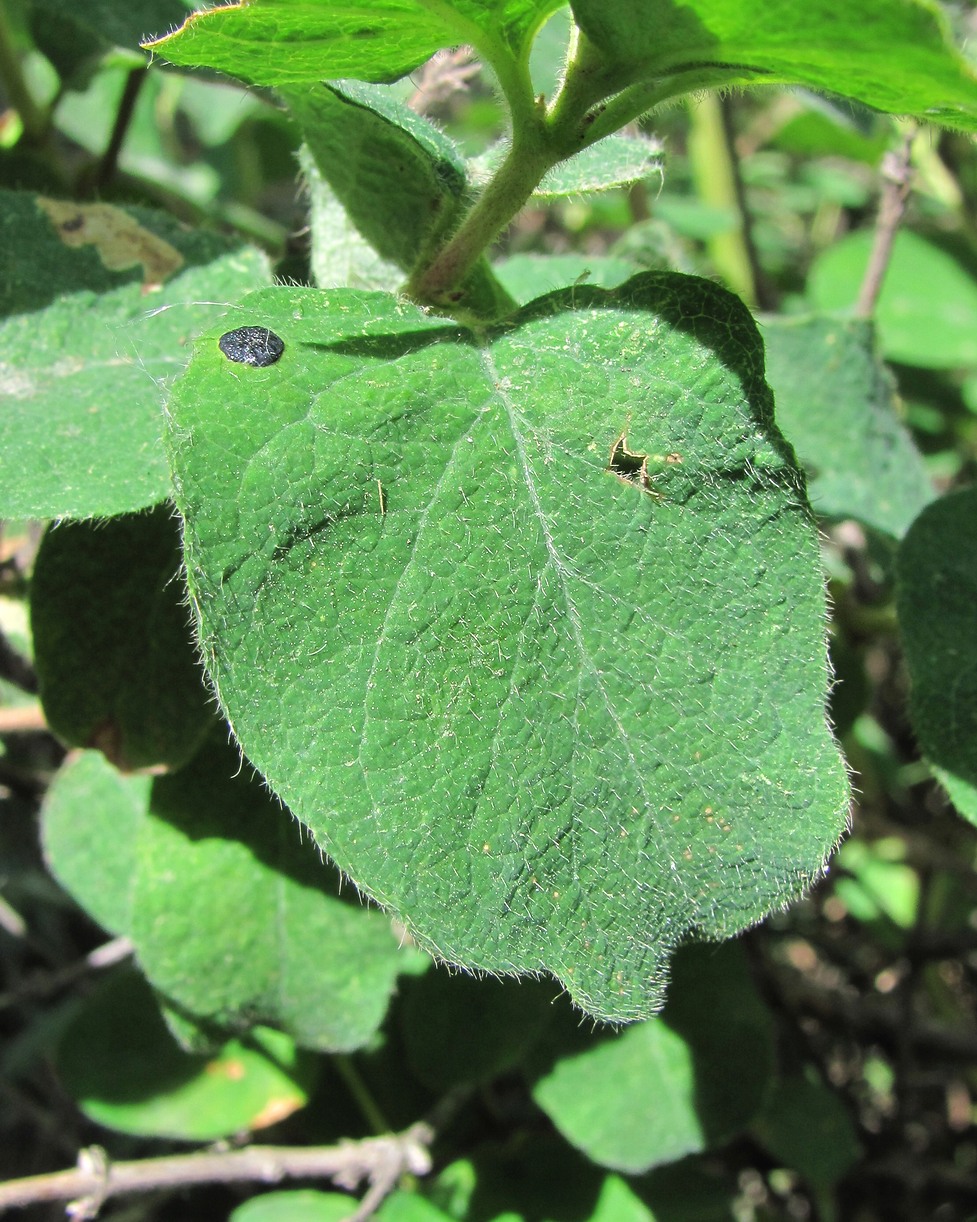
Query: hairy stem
[541, 137]
[513, 184]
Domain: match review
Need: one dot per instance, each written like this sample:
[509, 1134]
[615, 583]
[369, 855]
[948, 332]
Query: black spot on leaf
[251, 346]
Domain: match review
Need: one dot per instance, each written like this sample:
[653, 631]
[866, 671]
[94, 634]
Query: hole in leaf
[251, 346]
[628, 464]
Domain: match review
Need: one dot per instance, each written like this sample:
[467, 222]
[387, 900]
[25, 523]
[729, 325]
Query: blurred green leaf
[927, 309]
[233, 917]
[836, 403]
[527, 276]
[936, 597]
[105, 22]
[299, 1205]
[520, 1180]
[97, 304]
[125, 1070]
[806, 1126]
[820, 127]
[822, 44]
[880, 884]
[114, 652]
[676, 1084]
[407, 1207]
[92, 821]
[499, 1021]
[695, 1189]
[617, 1203]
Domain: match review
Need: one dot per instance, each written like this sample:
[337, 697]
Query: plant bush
[407, 607]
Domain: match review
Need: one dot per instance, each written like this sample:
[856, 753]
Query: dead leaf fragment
[121, 242]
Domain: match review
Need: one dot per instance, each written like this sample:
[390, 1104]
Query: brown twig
[22, 719]
[896, 183]
[106, 955]
[379, 1160]
[445, 74]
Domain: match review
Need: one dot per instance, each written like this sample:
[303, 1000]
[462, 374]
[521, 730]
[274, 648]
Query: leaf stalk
[541, 138]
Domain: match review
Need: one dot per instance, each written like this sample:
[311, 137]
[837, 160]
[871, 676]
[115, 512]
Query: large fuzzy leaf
[527, 627]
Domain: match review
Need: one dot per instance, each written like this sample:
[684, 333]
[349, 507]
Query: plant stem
[579, 115]
[379, 1159]
[358, 1089]
[716, 177]
[106, 955]
[105, 170]
[897, 180]
[31, 116]
[540, 139]
[527, 161]
[643, 96]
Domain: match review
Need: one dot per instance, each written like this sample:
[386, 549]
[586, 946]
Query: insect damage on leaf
[629, 465]
[251, 346]
[120, 241]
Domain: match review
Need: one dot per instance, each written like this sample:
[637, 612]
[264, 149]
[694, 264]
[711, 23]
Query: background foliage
[820, 1066]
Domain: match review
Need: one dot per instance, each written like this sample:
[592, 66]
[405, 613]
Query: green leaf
[106, 22]
[126, 1071]
[696, 1189]
[893, 57]
[809, 1129]
[501, 1020]
[361, 139]
[339, 254]
[819, 127]
[97, 304]
[300, 1205]
[674, 1085]
[91, 825]
[617, 1203]
[308, 1206]
[234, 918]
[927, 309]
[525, 275]
[615, 161]
[876, 883]
[294, 42]
[113, 645]
[516, 1181]
[408, 1207]
[837, 403]
[936, 596]
[492, 616]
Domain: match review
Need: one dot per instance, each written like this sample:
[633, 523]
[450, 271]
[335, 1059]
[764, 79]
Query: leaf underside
[491, 615]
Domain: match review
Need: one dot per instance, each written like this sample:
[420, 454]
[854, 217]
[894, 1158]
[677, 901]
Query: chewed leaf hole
[251, 346]
[628, 464]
